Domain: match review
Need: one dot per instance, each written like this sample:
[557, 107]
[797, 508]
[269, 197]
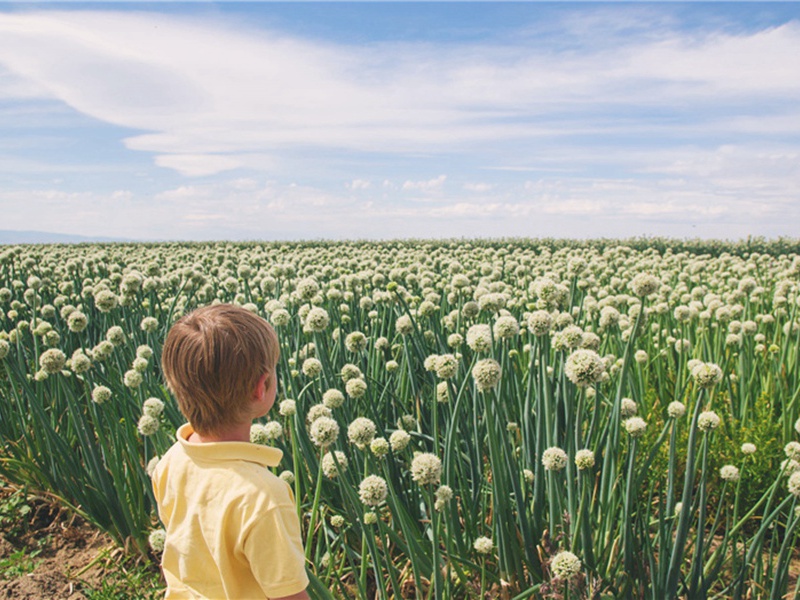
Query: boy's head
[213, 359]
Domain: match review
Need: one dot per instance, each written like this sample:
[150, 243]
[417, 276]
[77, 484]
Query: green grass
[19, 563]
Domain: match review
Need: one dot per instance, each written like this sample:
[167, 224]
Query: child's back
[232, 529]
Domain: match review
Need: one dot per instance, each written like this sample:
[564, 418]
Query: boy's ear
[261, 387]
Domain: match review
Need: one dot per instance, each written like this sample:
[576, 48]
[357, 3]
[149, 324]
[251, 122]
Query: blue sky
[266, 120]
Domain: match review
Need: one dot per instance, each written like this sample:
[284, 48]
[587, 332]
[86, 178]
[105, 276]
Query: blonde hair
[212, 360]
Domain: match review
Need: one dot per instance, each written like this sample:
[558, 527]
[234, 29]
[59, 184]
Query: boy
[232, 529]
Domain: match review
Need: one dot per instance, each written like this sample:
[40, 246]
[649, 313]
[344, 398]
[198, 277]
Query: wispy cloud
[612, 118]
[208, 105]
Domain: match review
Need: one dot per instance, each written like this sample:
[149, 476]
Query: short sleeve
[274, 548]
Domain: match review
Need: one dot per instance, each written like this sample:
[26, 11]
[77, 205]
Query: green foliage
[14, 512]
[408, 299]
[19, 563]
[124, 581]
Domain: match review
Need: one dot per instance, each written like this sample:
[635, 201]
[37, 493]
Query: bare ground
[59, 556]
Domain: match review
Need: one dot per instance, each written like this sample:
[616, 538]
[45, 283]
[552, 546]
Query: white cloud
[425, 186]
[194, 165]
[359, 184]
[478, 187]
[208, 107]
[122, 195]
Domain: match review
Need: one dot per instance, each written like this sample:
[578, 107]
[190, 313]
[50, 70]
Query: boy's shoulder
[239, 468]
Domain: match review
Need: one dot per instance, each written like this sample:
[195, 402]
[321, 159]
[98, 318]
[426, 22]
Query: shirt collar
[262, 455]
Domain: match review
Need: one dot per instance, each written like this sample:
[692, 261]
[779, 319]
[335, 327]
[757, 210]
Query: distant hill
[46, 237]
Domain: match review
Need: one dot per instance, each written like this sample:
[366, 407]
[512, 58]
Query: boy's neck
[235, 433]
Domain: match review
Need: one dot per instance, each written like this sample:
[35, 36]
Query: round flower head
[149, 324]
[540, 322]
[350, 371]
[148, 425]
[748, 448]
[80, 363]
[591, 341]
[329, 468]
[729, 473]
[404, 325]
[554, 459]
[132, 379]
[676, 409]
[707, 375]
[280, 317]
[399, 440]
[101, 394]
[312, 367]
[77, 321]
[794, 484]
[644, 284]
[370, 518]
[528, 475]
[426, 469]
[470, 309]
[157, 539]
[144, 351]
[627, 408]
[153, 407]
[565, 565]
[273, 430]
[708, 420]
[483, 545]
[307, 288]
[105, 301]
[373, 490]
[379, 447]
[407, 422]
[792, 450]
[446, 366]
[430, 362]
[317, 319]
[140, 364]
[5, 347]
[52, 360]
[442, 392]
[635, 426]
[102, 350]
[444, 493]
[678, 508]
[287, 408]
[287, 476]
[355, 342]
[324, 431]
[568, 338]
[258, 434]
[361, 432]
[789, 466]
[337, 521]
[584, 367]
[115, 335]
[584, 459]
[486, 374]
[455, 340]
[356, 388]
[506, 327]
[640, 357]
[479, 338]
[333, 398]
[609, 317]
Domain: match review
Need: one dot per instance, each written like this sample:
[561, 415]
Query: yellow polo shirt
[232, 528]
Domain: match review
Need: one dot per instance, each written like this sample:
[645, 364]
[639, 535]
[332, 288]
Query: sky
[386, 120]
